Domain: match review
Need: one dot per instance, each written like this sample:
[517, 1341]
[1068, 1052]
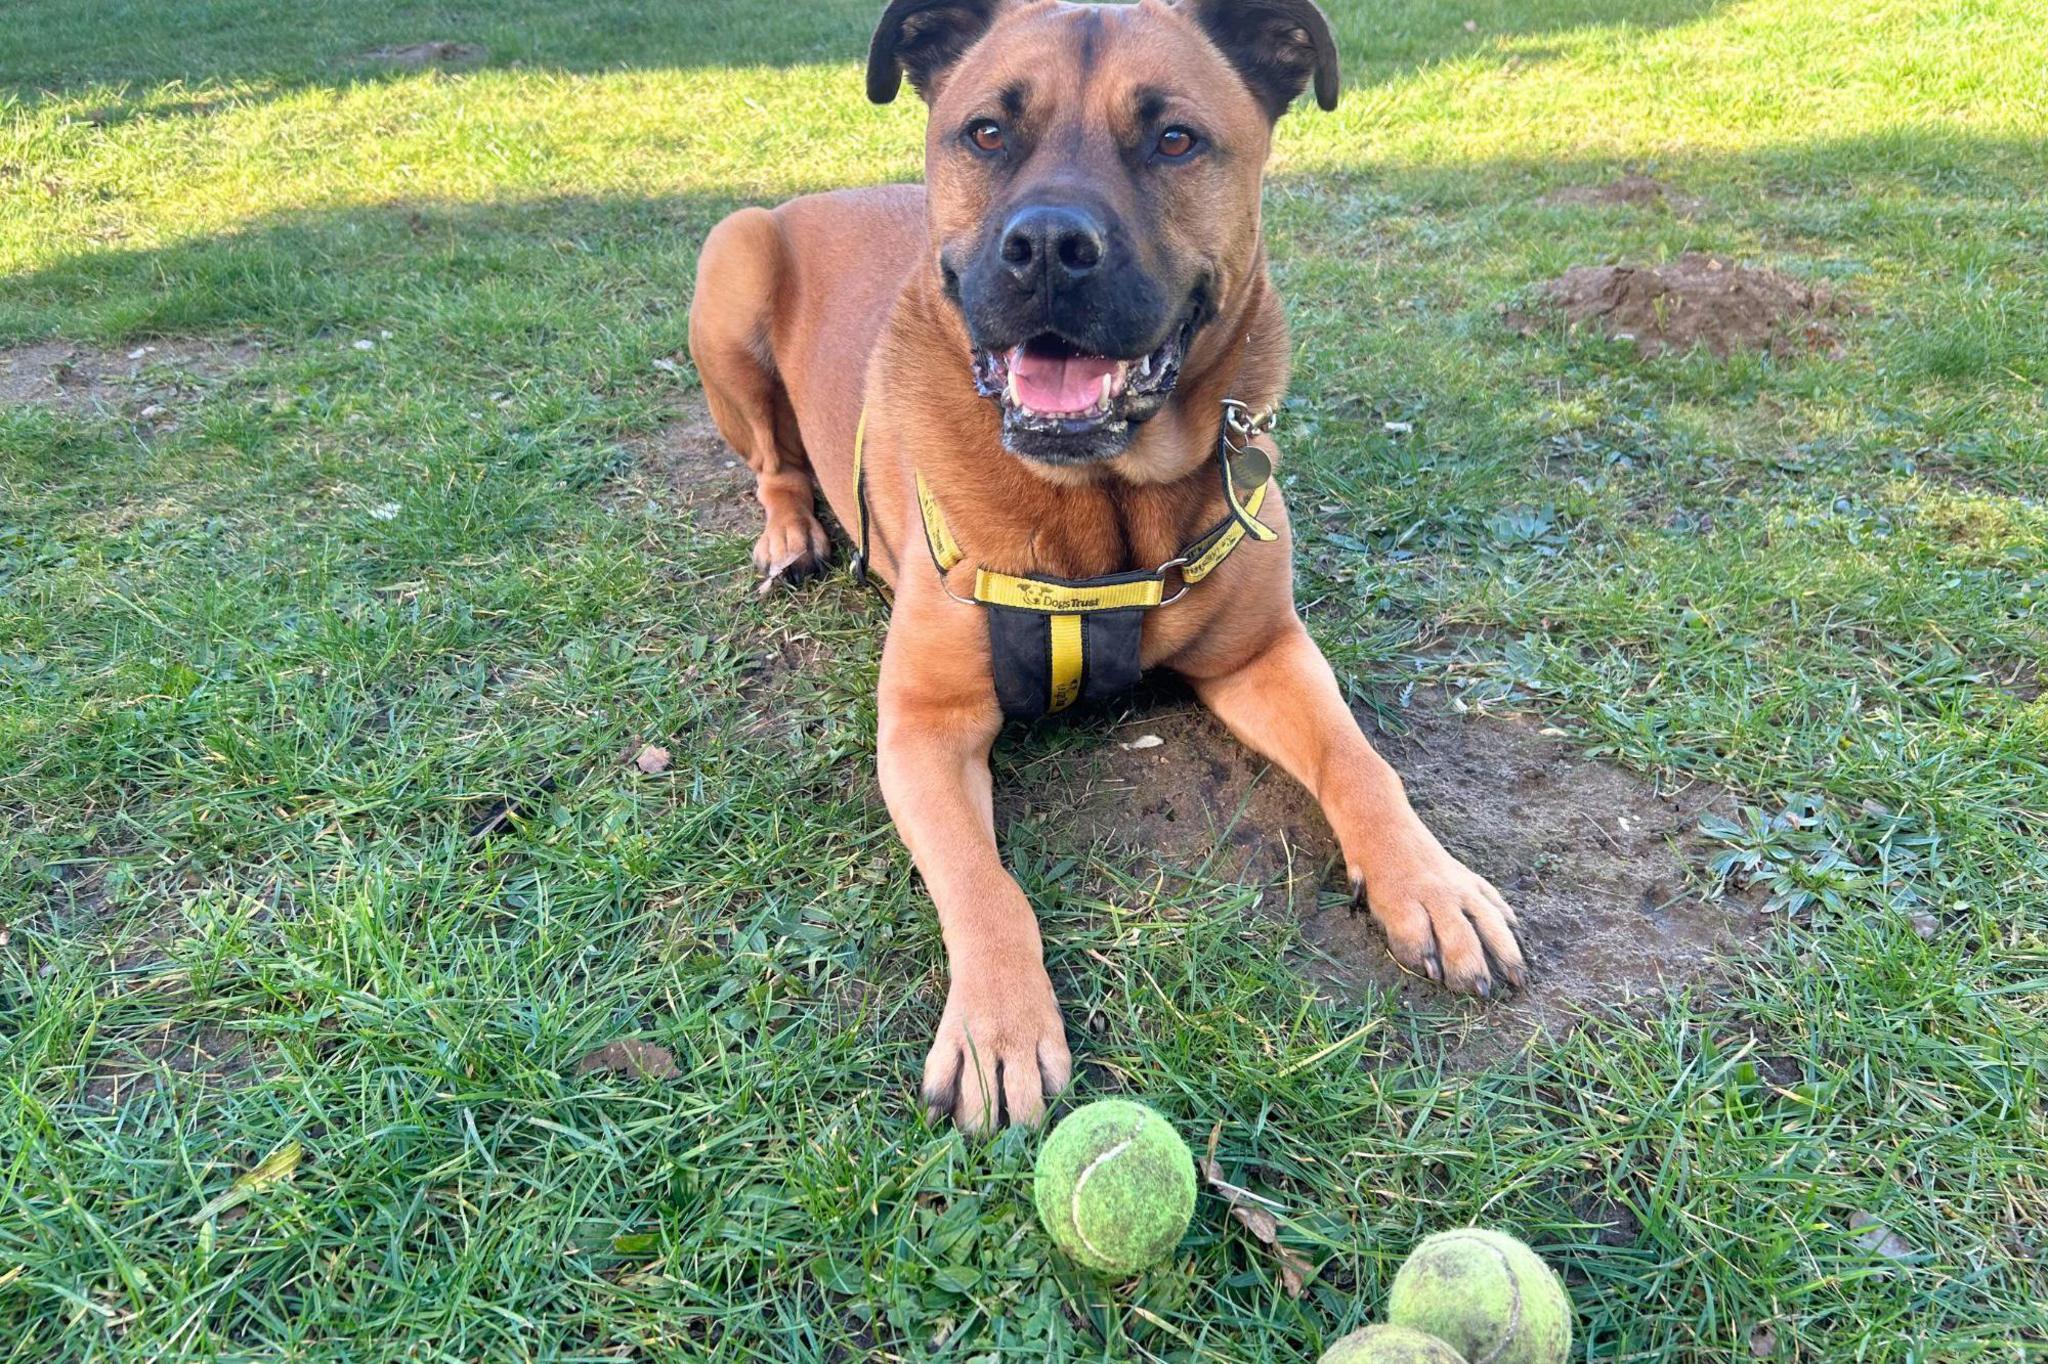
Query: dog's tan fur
[806, 313]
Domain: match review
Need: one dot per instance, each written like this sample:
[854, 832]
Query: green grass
[247, 727]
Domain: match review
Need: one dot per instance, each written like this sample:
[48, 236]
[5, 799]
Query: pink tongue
[1068, 383]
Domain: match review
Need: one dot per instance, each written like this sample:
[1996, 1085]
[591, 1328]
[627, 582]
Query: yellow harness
[1055, 641]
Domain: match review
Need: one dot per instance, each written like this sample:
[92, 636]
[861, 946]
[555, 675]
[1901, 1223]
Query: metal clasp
[946, 586]
[1239, 420]
[1179, 561]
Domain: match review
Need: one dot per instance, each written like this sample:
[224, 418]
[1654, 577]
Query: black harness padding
[1021, 657]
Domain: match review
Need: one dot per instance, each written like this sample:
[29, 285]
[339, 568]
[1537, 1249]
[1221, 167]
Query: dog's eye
[1174, 143]
[986, 134]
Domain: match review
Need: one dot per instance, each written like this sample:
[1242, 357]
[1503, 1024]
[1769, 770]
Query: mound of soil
[1696, 300]
[1594, 860]
[146, 382]
[1636, 191]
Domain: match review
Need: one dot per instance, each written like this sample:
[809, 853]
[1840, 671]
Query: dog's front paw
[1001, 1050]
[1442, 919]
[793, 547]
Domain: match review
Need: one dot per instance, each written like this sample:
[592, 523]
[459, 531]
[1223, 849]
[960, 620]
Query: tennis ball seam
[1514, 1301]
[1080, 1183]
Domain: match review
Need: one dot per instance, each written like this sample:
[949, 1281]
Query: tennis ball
[1486, 1295]
[1115, 1186]
[1390, 1345]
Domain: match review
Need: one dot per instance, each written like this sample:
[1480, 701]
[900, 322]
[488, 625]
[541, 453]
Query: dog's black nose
[1051, 244]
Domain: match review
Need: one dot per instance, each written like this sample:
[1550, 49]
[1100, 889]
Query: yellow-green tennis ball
[1390, 1345]
[1486, 1295]
[1115, 1186]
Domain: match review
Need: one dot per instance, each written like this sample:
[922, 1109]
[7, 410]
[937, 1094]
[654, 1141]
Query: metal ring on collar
[1241, 419]
[947, 588]
[1179, 561]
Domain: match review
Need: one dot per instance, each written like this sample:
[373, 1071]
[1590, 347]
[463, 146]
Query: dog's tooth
[1108, 381]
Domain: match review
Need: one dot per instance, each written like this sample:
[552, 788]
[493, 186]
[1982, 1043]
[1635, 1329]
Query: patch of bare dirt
[440, 53]
[782, 658]
[1633, 191]
[631, 1057]
[136, 1065]
[1594, 860]
[1609, 1222]
[1696, 300]
[688, 463]
[150, 382]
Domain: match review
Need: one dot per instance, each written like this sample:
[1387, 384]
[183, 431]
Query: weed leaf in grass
[1879, 1239]
[280, 1164]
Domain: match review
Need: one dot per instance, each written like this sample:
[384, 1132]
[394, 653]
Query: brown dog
[1036, 349]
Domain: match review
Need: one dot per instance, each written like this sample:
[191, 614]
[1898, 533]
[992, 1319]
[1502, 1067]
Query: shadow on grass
[52, 47]
[525, 267]
[301, 273]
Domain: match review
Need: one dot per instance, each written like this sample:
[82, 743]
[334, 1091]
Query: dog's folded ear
[920, 39]
[1276, 45]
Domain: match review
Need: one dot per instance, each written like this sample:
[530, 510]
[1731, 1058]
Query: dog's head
[1093, 175]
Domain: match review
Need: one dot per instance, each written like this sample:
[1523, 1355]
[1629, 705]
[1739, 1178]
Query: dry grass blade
[280, 1164]
[1255, 1215]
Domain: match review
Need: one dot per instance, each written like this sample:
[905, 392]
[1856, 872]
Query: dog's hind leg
[739, 275]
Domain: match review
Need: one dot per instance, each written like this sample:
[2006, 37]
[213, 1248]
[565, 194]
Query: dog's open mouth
[1049, 388]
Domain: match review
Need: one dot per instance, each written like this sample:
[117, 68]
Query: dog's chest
[1101, 530]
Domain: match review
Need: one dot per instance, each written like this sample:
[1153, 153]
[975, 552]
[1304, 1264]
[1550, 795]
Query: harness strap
[1213, 546]
[1143, 589]
[1123, 592]
[1069, 660]
[938, 536]
[860, 501]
